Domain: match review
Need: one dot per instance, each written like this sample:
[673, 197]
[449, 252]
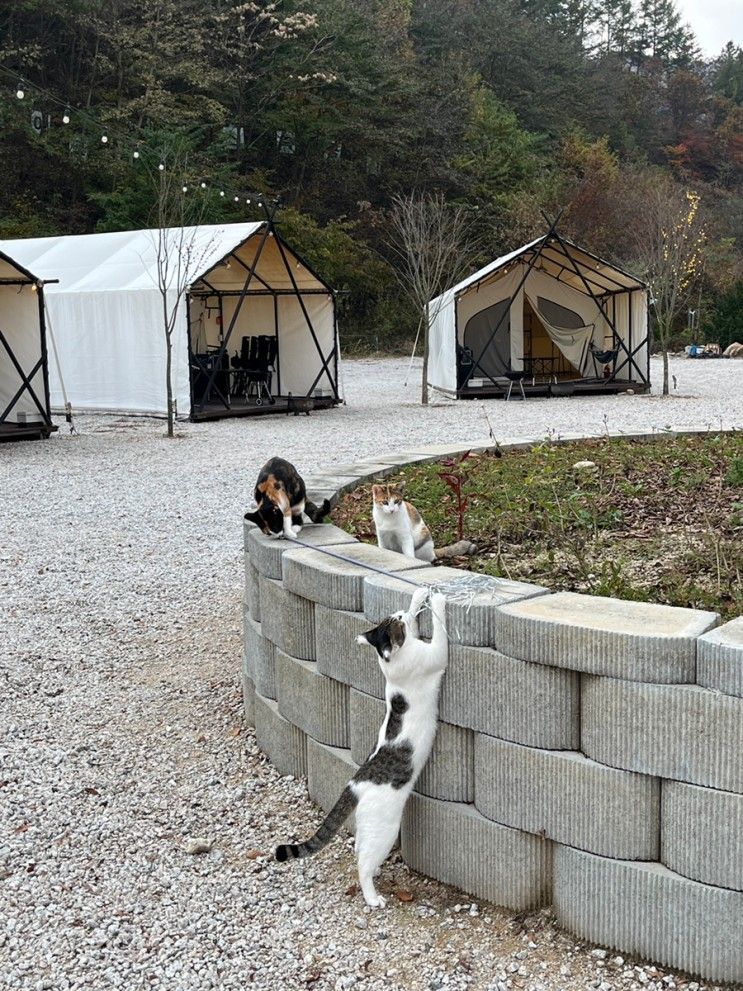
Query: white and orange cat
[399, 524]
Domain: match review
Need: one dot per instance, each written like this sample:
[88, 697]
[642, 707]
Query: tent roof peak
[551, 247]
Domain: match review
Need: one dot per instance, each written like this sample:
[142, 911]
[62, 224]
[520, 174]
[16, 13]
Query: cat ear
[377, 491]
[361, 638]
[401, 487]
[254, 517]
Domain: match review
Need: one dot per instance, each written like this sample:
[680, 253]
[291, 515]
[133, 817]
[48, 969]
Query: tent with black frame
[24, 385]
[550, 318]
[254, 327]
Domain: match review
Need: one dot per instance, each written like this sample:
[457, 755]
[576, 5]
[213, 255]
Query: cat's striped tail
[333, 822]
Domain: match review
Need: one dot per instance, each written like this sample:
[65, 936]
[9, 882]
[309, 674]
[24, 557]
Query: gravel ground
[121, 735]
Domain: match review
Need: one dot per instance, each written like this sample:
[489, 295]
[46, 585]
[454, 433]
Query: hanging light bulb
[221, 192]
[247, 200]
[260, 202]
[203, 185]
[135, 154]
[20, 92]
[237, 199]
[161, 167]
[184, 188]
[104, 139]
[66, 116]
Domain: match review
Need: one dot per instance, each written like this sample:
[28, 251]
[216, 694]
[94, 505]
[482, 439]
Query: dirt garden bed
[658, 520]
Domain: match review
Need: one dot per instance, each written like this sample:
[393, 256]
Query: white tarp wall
[21, 327]
[112, 351]
[450, 313]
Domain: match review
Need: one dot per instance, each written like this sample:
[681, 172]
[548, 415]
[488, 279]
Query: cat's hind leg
[377, 828]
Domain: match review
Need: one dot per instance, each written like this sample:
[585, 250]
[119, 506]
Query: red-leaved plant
[456, 478]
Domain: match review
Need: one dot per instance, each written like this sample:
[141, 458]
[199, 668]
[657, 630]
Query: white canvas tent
[549, 313]
[107, 317]
[24, 391]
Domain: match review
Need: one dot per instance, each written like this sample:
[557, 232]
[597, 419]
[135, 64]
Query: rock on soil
[122, 739]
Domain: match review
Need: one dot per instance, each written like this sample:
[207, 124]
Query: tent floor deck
[22, 431]
[579, 386]
[282, 404]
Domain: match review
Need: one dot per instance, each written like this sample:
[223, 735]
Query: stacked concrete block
[474, 621]
[702, 834]
[259, 654]
[267, 552]
[288, 620]
[284, 742]
[454, 843]
[329, 769]
[252, 591]
[720, 659]
[567, 797]
[340, 583]
[634, 640]
[681, 732]
[338, 654]
[645, 909]
[511, 699]
[248, 692]
[449, 771]
[315, 703]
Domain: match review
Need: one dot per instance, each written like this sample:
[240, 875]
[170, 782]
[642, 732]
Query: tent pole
[276, 332]
[25, 384]
[600, 308]
[518, 289]
[233, 321]
[325, 361]
[337, 343]
[44, 352]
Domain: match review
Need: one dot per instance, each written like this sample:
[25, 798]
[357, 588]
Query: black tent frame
[42, 405]
[266, 231]
[540, 250]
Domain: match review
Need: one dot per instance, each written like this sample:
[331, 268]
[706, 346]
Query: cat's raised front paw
[419, 597]
[376, 902]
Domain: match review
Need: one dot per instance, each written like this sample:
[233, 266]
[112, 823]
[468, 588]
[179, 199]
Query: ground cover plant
[660, 520]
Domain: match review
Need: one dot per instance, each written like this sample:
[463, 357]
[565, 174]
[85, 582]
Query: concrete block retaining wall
[589, 752]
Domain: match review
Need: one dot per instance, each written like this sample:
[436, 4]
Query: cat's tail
[333, 822]
[317, 513]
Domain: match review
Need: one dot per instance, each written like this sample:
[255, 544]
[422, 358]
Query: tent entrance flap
[494, 349]
[565, 329]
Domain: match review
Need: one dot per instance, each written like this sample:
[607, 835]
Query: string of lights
[140, 151]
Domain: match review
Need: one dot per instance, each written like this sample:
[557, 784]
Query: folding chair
[259, 371]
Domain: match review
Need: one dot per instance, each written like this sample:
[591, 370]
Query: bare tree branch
[433, 244]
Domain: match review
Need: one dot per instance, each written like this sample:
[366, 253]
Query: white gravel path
[120, 725]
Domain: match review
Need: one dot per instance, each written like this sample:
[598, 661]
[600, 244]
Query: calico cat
[399, 524]
[380, 788]
[282, 502]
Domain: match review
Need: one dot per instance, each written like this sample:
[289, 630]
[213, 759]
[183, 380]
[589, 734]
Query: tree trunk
[424, 381]
[168, 382]
[665, 371]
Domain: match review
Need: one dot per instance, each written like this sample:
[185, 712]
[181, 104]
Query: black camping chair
[259, 371]
[241, 362]
[465, 365]
[602, 357]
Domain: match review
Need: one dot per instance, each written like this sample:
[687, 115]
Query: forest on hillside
[510, 108]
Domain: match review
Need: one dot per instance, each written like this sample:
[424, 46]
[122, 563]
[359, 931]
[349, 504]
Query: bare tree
[181, 248]
[670, 251]
[433, 243]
